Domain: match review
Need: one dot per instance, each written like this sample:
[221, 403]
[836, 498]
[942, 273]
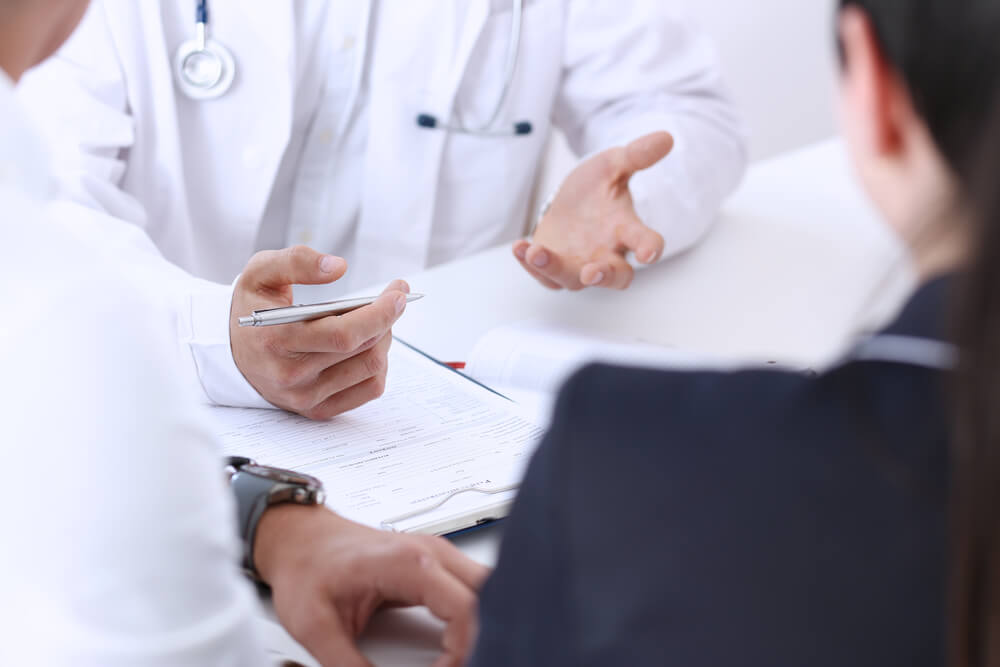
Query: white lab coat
[317, 140]
[119, 528]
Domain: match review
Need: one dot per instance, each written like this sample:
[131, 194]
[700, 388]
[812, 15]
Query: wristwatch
[257, 488]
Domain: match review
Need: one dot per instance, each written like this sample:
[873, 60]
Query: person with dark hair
[769, 518]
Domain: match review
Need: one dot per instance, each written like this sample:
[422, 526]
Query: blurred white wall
[779, 63]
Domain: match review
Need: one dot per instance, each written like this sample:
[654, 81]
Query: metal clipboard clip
[390, 523]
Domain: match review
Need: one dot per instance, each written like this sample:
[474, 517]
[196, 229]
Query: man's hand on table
[329, 575]
[583, 238]
[321, 368]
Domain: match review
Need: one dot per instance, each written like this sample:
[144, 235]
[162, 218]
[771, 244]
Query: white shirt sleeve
[78, 99]
[634, 67]
[119, 530]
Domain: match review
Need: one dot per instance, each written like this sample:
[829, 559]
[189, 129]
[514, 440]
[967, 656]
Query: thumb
[298, 265]
[646, 151]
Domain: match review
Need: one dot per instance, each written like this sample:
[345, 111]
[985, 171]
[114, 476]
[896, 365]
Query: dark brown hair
[948, 54]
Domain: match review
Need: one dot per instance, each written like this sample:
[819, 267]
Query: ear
[876, 103]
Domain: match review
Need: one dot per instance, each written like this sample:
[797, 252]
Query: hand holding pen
[317, 367]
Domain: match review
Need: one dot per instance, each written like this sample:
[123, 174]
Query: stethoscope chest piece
[204, 69]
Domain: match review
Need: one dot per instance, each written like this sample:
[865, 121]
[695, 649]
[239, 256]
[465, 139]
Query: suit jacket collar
[927, 313]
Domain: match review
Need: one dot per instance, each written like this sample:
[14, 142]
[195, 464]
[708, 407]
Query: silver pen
[312, 311]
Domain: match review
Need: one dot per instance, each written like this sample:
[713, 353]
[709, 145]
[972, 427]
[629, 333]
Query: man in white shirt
[396, 135]
[119, 547]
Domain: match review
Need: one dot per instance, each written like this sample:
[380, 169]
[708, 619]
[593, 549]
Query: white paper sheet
[535, 358]
[433, 433]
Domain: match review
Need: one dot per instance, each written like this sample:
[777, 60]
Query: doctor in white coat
[394, 134]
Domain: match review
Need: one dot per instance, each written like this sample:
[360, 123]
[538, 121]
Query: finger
[446, 661]
[347, 400]
[554, 267]
[471, 573]
[298, 265]
[646, 151]
[328, 642]
[349, 373]
[397, 286]
[415, 575]
[347, 333]
[612, 271]
[296, 371]
[320, 361]
[520, 249]
[535, 274]
[646, 243]
[597, 274]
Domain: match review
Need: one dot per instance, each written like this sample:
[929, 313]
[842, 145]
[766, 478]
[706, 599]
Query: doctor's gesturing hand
[321, 368]
[583, 238]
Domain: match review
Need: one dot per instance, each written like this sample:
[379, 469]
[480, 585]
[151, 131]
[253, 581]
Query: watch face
[282, 475]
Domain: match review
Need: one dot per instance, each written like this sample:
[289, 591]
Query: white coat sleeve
[78, 102]
[120, 529]
[632, 67]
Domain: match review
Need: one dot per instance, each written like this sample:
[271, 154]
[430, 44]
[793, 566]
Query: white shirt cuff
[220, 378]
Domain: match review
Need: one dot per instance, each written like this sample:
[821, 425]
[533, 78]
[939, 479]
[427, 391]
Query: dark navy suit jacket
[723, 519]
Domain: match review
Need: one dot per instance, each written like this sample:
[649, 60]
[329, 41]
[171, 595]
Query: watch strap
[253, 497]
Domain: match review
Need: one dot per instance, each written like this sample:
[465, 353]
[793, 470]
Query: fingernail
[405, 288]
[400, 304]
[329, 264]
[541, 259]
[648, 257]
[521, 252]
[598, 278]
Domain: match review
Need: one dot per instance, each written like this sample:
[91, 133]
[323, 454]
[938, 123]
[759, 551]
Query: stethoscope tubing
[489, 128]
[510, 64]
[205, 47]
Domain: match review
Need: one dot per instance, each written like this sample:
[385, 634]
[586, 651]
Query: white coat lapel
[418, 58]
[268, 52]
[256, 115]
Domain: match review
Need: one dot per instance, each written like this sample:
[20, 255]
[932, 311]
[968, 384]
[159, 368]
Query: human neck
[939, 253]
[24, 35]
[15, 59]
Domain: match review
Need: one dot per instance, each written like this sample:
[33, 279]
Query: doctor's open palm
[318, 369]
[591, 224]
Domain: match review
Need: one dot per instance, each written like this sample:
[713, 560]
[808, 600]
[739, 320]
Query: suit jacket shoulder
[790, 515]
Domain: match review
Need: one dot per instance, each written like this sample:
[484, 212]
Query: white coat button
[251, 157]
[305, 236]
[325, 137]
[348, 43]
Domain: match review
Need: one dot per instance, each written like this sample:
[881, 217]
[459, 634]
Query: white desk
[797, 264]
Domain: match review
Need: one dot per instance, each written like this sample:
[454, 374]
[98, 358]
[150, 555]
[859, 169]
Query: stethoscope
[204, 68]
[489, 128]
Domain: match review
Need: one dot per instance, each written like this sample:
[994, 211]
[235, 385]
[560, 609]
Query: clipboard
[438, 454]
[460, 522]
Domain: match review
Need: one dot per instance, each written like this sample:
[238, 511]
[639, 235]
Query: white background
[779, 62]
